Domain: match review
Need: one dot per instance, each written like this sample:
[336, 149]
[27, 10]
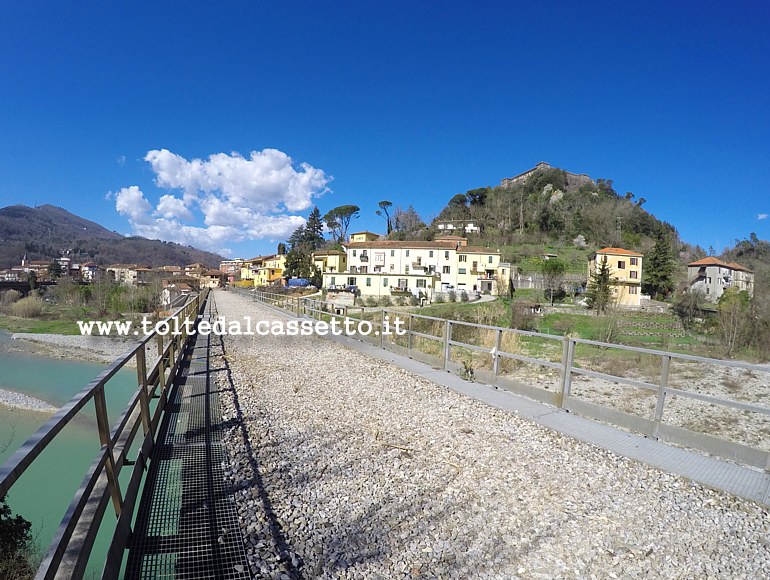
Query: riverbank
[16, 400]
[99, 349]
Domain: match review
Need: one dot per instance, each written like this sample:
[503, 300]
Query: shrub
[451, 296]
[370, 301]
[401, 301]
[29, 307]
[522, 317]
[9, 297]
[414, 301]
[463, 296]
[384, 301]
[439, 299]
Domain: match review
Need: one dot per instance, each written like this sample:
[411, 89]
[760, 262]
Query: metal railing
[660, 394]
[68, 553]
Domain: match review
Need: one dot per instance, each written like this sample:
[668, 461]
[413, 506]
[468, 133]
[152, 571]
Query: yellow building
[625, 271]
[330, 261]
[270, 271]
[249, 267]
[364, 237]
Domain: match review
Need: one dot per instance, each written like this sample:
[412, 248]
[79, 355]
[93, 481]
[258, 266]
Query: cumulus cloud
[238, 198]
[762, 216]
[171, 207]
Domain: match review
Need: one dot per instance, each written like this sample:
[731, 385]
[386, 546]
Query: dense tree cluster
[545, 208]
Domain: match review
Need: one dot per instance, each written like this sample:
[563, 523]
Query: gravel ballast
[347, 467]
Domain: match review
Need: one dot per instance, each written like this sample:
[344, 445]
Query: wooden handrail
[62, 559]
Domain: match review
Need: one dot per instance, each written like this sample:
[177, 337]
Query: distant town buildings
[457, 226]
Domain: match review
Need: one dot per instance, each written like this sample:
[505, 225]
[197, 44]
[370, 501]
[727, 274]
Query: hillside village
[467, 250]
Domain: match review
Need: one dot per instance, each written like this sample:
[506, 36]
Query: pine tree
[658, 277]
[599, 291]
[314, 229]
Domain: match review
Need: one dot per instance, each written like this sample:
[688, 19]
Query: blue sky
[105, 108]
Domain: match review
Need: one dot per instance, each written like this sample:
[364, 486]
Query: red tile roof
[712, 261]
[619, 251]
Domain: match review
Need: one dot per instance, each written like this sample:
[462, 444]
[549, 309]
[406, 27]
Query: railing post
[161, 365]
[144, 403]
[568, 359]
[447, 339]
[664, 367]
[410, 337]
[382, 328]
[103, 425]
[496, 356]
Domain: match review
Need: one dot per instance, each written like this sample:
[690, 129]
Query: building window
[407, 253]
[634, 274]
[430, 254]
[491, 259]
[368, 281]
[385, 282]
[621, 264]
[392, 268]
[363, 269]
[633, 290]
[392, 253]
[333, 281]
[406, 269]
[462, 258]
[634, 261]
[354, 253]
[461, 270]
[353, 269]
[446, 254]
[421, 283]
[445, 270]
[351, 281]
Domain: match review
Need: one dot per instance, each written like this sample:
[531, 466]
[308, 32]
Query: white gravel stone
[352, 468]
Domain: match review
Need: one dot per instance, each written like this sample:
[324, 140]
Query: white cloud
[762, 216]
[130, 202]
[266, 181]
[238, 198]
[172, 207]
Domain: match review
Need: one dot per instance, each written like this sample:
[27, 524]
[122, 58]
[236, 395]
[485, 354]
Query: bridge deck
[187, 521]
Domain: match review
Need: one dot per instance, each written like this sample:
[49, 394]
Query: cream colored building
[625, 271]
[384, 268]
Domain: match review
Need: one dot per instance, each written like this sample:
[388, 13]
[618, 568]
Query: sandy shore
[20, 401]
[99, 349]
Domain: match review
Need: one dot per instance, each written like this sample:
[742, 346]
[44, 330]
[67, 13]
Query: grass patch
[38, 326]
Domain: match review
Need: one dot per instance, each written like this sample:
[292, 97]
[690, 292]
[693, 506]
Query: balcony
[364, 258]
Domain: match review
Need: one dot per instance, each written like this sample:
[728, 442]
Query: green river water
[44, 492]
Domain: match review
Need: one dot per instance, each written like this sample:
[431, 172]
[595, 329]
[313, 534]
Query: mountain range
[45, 232]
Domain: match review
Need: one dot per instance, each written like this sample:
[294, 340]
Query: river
[44, 492]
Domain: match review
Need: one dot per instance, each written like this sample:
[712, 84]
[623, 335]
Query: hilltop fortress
[574, 180]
